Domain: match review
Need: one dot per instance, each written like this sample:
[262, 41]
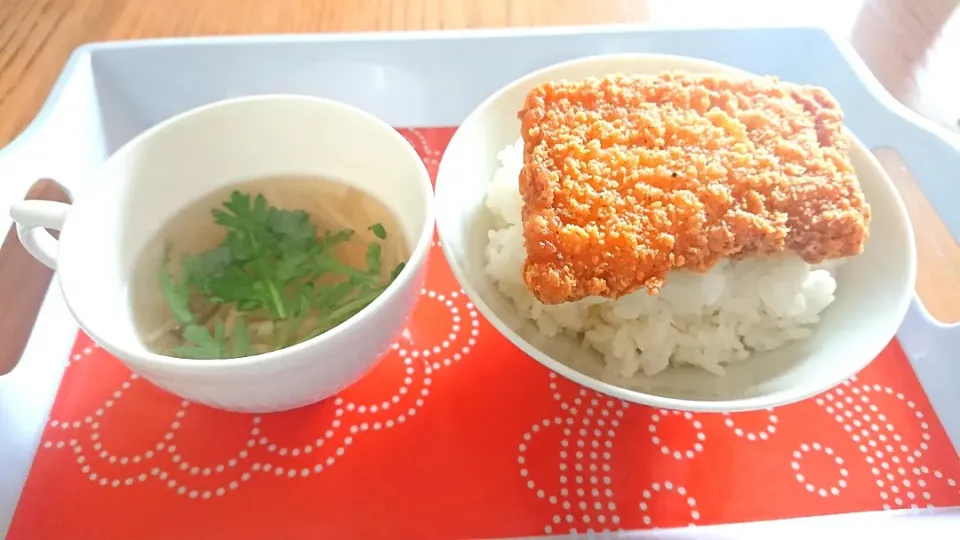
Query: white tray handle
[932, 157]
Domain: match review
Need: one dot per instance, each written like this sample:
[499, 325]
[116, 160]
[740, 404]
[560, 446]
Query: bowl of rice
[675, 232]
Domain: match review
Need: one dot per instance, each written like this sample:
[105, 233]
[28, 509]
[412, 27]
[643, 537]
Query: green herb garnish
[272, 266]
[241, 340]
[176, 294]
[378, 231]
[202, 344]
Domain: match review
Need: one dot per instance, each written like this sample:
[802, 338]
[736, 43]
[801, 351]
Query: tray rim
[87, 50]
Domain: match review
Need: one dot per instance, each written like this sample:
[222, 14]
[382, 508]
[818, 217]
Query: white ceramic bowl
[873, 294]
[201, 151]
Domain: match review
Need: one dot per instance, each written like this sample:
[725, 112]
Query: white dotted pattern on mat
[164, 462]
[690, 450]
[901, 480]
[894, 463]
[587, 424]
[761, 435]
[666, 488]
[803, 453]
[430, 156]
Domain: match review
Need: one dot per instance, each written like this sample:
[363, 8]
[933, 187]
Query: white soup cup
[163, 170]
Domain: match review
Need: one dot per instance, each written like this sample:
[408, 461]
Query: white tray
[110, 92]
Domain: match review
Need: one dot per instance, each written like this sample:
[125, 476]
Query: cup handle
[33, 218]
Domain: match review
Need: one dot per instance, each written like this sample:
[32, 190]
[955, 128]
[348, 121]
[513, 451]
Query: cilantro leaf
[269, 264]
[378, 230]
[177, 296]
[332, 239]
[292, 230]
[373, 259]
[332, 295]
[201, 345]
[241, 340]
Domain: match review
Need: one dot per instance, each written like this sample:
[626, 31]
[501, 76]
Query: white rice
[707, 320]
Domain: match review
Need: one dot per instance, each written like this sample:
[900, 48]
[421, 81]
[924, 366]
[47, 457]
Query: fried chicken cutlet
[626, 178]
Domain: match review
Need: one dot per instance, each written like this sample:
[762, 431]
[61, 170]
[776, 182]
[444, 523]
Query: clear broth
[331, 205]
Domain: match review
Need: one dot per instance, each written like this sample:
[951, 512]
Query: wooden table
[905, 42]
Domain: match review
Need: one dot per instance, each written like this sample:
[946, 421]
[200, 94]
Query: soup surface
[262, 265]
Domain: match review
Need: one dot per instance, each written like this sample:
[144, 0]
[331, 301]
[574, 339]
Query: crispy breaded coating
[626, 178]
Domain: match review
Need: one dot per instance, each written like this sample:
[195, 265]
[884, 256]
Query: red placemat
[457, 434]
